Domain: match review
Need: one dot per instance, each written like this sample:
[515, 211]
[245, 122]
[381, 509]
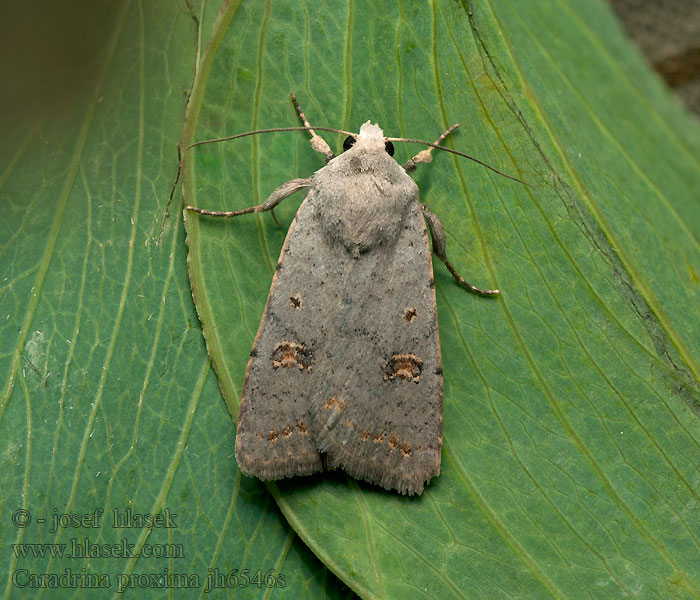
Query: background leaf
[571, 434]
[108, 400]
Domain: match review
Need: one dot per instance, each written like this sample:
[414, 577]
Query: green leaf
[571, 402]
[107, 397]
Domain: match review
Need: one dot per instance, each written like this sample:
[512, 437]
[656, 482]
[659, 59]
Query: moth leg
[439, 247]
[317, 142]
[282, 192]
[425, 156]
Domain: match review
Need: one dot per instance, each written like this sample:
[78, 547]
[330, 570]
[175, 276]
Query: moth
[345, 371]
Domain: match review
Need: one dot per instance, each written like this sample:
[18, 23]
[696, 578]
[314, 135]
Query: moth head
[371, 138]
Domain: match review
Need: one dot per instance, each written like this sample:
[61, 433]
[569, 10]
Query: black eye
[348, 143]
[389, 147]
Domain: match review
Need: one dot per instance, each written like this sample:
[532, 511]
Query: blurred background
[51, 49]
[50, 53]
[668, 33]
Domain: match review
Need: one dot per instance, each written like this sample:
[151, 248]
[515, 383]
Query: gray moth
[345, 371]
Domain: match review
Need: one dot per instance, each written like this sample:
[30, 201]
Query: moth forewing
[273, 438]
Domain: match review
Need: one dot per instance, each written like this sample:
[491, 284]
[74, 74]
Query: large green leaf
[570, 463]
[108, 400]
[571, 402]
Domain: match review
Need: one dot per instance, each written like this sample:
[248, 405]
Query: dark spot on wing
[291, 354]
[334, 403]
[403, 366]
[410, 313]
[394, 442]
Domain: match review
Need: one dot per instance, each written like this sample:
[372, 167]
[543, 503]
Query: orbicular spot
[410, 313]
[403, 366]
[295, 301]
[291, 354]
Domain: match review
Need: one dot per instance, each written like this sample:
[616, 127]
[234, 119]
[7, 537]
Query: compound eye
[349, 143]
[389, 147]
